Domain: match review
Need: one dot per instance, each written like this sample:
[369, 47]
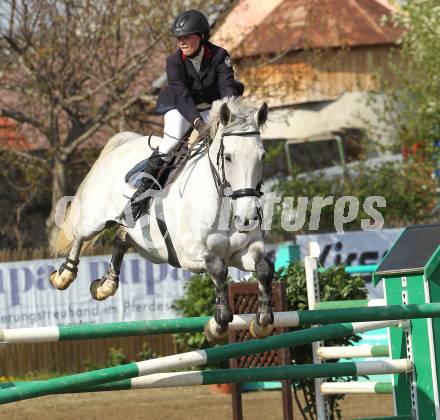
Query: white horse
[208, 230]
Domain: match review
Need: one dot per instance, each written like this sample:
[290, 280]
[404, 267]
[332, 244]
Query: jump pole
[339, 304]
[273, 373]
[332, 388]
[191, 325]
[185, 360]
[349, 352]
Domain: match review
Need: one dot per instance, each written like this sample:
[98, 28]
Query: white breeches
[175, 127]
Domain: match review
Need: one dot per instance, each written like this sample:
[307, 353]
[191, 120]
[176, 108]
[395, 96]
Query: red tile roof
[10, 136]
[299, 24]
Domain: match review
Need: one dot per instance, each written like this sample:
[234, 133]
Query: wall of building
[312, 76]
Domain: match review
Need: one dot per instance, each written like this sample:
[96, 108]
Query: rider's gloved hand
[200, 126]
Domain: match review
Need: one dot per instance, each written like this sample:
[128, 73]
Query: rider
[198, 73]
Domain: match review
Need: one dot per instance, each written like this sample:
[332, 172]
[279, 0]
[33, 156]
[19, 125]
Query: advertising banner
[351, 248]
[146, 291]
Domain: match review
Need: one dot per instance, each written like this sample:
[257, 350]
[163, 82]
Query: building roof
[254, 28]
[10, 136]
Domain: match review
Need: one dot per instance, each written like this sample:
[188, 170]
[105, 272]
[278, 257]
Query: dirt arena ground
[186, 403]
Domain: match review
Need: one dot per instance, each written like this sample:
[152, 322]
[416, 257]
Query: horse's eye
[228, 158]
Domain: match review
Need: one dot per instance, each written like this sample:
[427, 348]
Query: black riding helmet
[191, 22]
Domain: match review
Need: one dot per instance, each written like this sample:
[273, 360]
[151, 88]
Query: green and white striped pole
[348, 352]
[332, 388]
[273, 373]
[191, 325]
[184, 360]
[340, 304]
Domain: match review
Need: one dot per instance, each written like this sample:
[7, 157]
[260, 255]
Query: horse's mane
[242, 114]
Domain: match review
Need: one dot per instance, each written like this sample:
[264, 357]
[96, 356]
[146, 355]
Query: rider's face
[188, 43]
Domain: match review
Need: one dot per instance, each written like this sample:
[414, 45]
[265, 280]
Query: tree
[413, 104]
[70, 69]
[415, 83]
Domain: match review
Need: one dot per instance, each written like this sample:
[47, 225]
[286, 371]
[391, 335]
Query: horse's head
[240, 159]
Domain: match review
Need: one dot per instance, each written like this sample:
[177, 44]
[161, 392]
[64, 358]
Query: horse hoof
[61, 281]
[258, 331]
[102, 290]
[213, 331]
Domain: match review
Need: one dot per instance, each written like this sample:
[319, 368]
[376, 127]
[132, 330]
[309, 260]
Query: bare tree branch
[98, 124]
[24, 119]
[24, 155]
[138, 60]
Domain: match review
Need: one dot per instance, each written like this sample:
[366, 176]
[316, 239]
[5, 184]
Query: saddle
[169, 170]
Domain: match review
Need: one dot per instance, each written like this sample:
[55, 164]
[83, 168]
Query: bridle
[223, 186]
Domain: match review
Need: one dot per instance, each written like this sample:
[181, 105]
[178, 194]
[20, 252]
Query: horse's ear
[261, 114]
[225, 115]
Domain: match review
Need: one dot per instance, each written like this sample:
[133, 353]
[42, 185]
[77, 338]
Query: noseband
[243, 192]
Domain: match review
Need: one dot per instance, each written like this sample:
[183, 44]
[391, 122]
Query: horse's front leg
[254, 259]
[263, 325]
[108, 284]
[217, 328]
[68, 270]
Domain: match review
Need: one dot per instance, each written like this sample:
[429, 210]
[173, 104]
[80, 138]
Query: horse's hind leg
[217, 328]
[68, 270]
[108, 284]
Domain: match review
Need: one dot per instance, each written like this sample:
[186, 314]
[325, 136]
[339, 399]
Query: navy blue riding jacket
[186, 88]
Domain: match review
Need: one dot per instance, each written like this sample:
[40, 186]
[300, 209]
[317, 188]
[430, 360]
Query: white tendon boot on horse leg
[68, 270]
[258, 331]
[213, 332]
[108, 284]
[61, 280]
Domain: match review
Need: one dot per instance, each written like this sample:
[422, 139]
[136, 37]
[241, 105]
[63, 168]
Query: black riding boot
[137, 202]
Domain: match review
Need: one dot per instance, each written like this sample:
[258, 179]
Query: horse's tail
[64, 238]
